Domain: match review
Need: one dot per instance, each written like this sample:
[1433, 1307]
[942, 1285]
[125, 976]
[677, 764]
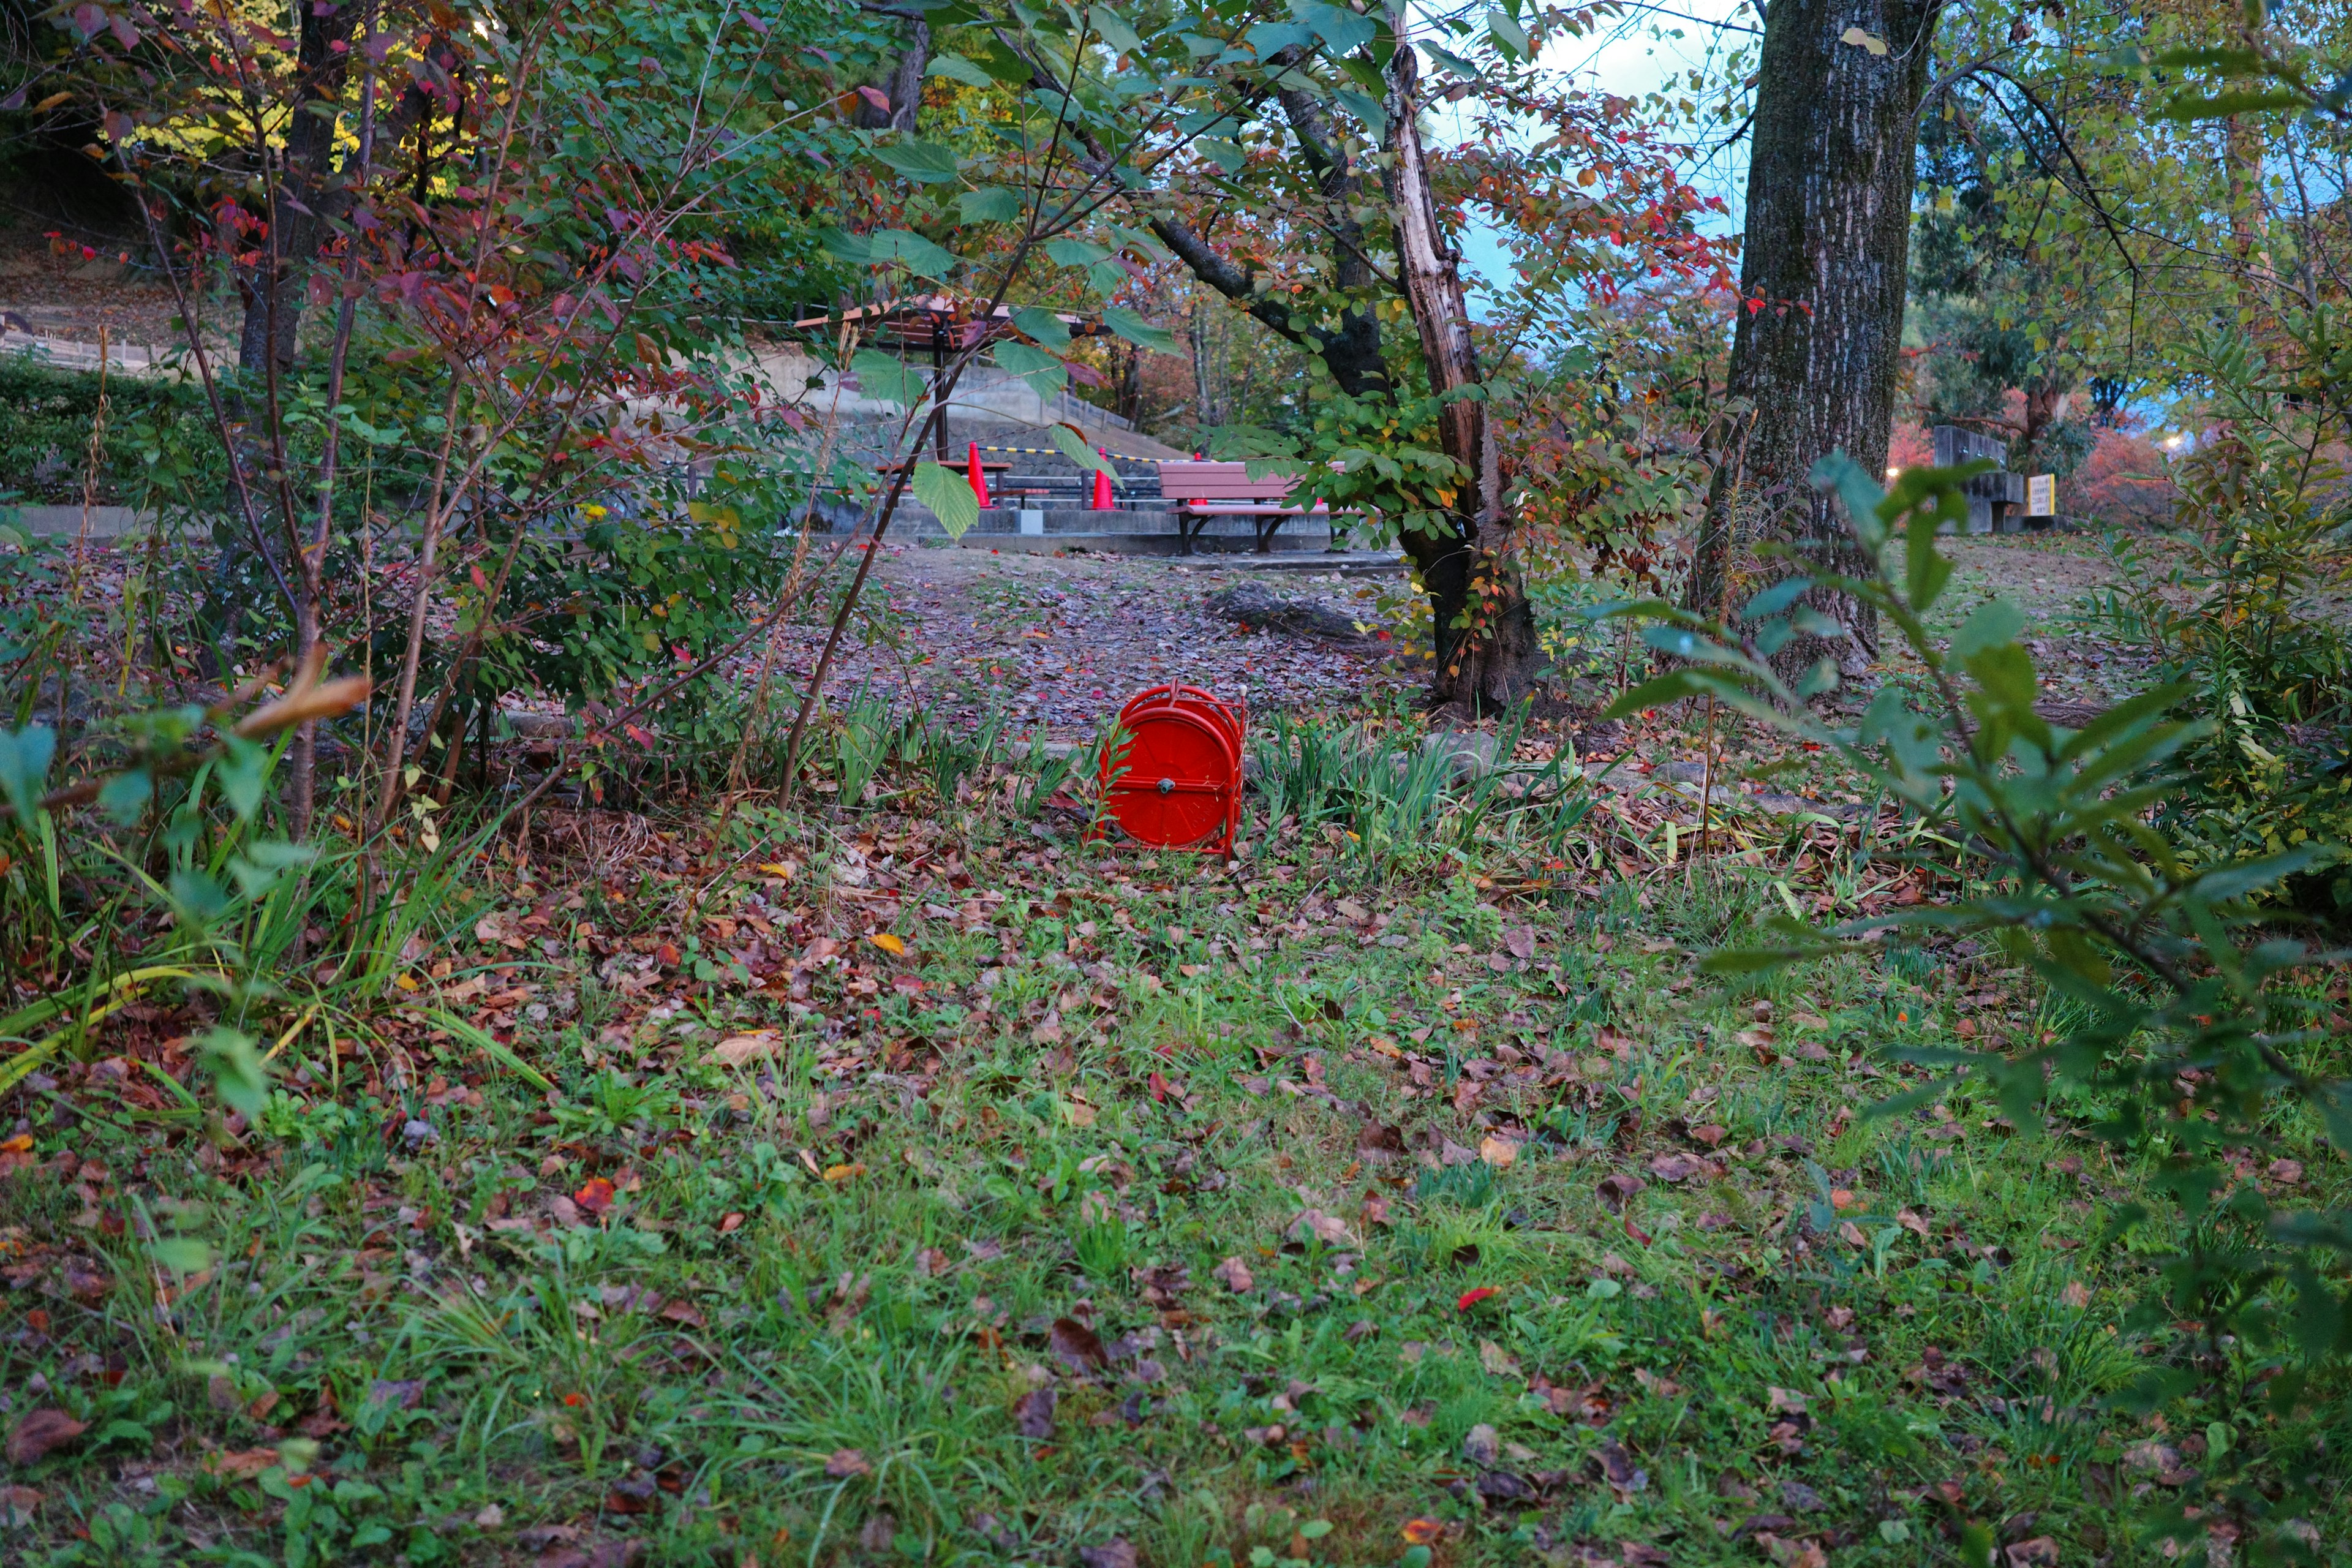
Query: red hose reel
[1173, 777]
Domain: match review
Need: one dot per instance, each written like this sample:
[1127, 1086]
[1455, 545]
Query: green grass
[1033, 1155]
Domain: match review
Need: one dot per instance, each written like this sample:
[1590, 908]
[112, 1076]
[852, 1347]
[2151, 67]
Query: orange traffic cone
[1102, 501]
[979, 477]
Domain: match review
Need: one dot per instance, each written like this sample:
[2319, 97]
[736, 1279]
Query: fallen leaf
[2075, 1295]
[1682, 1167]
[1616, 1188]
[1483, 1446]
[1500, 1152]
[735, 1049]
[1376, 1143]
[1234, 1275]
[1114, 1553]
[1709, 1133]
[490, 1517]
[1032, 1413]
[240, 1464]
[1078, 1346]
[1469, 1298]
[845, 1463]
[1320, 1225]
[1421, 1530]
[888, 944]
[400, 1394]
[594, 1196]
[39, 1432]
[844, 1173]
[775, 869]
[2041, 1550]
[1617, 1467]
[1497, 1359]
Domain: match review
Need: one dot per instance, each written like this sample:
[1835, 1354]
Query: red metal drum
[1174, 777]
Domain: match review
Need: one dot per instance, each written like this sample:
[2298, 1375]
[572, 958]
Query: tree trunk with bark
[1823, 271]
[903, 85]
[1488, 651]
[299, 209]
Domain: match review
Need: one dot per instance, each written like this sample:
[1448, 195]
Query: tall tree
[1487, 660]
[1822, 274]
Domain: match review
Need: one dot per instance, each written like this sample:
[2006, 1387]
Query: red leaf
[594, 1197]
[1472, 1298]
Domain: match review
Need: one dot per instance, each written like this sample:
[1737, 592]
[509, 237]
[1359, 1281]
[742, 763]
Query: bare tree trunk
[1823, 271]
[1487, 653]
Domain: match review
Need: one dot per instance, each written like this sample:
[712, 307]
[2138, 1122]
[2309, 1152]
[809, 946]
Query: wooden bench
[1200, 491]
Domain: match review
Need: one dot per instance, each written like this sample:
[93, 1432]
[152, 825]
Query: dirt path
[1058, 643]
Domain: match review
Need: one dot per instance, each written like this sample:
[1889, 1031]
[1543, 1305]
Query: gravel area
[1058, 643]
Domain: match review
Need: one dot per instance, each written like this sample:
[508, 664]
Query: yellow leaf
[405, 982]
[52, 101]
[888, 943]
[775, 869]
[1861, 40]
[844, 1173]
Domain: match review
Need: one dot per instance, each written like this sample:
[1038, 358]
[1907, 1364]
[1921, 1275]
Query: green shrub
[46, 417]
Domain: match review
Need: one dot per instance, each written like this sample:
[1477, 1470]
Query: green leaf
[1509, 34]
[949, 495]
[1776, 599]
[1995, 622]
[880, 375]
[125, 796]
[1044, 325]
[1366, 108]
[1225, 155]
[989, 204]
[1139, 332]
[181, 1254]
[2227, 883]
[1270, 39]
[1924, 570]
[925, 162]
[1003, 63]
[1045, 372]
[955, 68]
[238, 1070]
[242, 773]
[1859, 492]
[844, 245]
[1114, 30]
[1669, 688]
[1069, 252]
[2223, 105]
[1077, 451]
[25, 758]
[1343, 31]
[910, 250]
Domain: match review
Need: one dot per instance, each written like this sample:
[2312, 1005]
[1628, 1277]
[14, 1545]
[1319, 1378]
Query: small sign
[2041, 495]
